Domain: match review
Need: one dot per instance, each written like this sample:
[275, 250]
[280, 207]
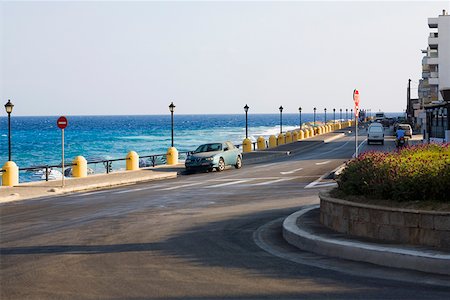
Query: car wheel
[221, 165]
[238, 164]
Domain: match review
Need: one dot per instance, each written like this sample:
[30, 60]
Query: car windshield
[376, 129]
[209, 148]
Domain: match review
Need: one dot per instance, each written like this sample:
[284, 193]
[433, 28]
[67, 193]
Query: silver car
[214, 156]
[406, 127]
[375, 133]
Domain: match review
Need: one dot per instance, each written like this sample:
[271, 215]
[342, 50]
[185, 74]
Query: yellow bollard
[320, 129]
[132, 161]
[172, 156]
[281, 140]
[272, 141]
[288, 138]
[301, 135]
[80, 167]
[10, 174]
[247, 145]
[311, 132]
[306, 131]
[294, 136]
[339, 125]
[261, 143]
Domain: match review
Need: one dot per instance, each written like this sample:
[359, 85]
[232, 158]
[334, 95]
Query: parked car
[406, 127]
[375, 133]
[214, 156]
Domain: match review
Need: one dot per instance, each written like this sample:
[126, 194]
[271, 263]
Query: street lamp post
[315, 116]
[246, 120]
[281, 118]
[300, 113]
[334, 115]
[9, 107]
[351, 114]
[172, 108]
[325, 110]
[346, 114]
[340, 116]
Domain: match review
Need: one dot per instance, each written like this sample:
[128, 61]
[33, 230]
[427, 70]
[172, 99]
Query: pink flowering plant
[419, 172]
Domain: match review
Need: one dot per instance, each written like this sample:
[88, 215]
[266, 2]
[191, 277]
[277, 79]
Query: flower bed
[413, 173]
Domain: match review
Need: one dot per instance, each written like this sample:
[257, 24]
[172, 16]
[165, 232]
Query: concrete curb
[431, 262]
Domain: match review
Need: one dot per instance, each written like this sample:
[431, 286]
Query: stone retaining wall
[385, 223]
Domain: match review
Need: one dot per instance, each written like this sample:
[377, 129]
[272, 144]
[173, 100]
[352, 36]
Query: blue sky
[109, 58]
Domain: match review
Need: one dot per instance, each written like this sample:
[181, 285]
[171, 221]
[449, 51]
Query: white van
[375, 133]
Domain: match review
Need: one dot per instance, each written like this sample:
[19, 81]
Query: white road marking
[323, 163]
[226, 184]
[88, 194]
[123, 192]
[320, 184]
[182, 186]
[290, 172]
[266, 165]
[275, 181]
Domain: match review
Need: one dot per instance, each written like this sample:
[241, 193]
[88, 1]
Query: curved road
[190, 238]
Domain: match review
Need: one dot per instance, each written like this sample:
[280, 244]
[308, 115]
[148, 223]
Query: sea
[36, 141]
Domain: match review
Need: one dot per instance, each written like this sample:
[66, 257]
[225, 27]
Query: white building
[432, 113]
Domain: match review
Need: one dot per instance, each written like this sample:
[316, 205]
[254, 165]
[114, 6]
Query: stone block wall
[385, 223]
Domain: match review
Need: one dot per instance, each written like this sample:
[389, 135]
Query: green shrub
[413, 173]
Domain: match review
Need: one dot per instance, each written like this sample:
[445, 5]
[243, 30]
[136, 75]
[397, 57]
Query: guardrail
[152, 161]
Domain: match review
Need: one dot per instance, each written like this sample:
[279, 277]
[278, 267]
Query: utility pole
[408, 103]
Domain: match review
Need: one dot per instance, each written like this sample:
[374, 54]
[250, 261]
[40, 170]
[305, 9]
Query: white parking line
[323, 163]
[290, 172]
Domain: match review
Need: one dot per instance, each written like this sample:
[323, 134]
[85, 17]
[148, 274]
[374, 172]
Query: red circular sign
[356, 97]
[62, 122]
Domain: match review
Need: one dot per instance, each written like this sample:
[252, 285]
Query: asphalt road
[192, 238]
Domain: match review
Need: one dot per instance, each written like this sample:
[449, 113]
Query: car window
[209, 147]
[376, 129]
[404, 127]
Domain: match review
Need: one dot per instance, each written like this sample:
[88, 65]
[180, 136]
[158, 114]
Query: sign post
[356, 100]
[62, 123]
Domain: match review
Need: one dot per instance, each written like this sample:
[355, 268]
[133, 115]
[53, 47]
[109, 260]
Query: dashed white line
[323, 163]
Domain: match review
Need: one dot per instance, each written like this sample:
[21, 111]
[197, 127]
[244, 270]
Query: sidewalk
[101, 181]
[303, 230]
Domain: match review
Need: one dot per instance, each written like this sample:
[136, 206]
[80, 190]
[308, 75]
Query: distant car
[375, 133]
[406, 127]
[214, 156]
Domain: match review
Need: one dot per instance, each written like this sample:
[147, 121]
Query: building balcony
[433, 22]
[434, 74]
[433, 42]
[433, 61]
[433, 81]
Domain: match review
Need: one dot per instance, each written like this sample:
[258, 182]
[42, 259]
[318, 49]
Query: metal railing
[144, 161]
